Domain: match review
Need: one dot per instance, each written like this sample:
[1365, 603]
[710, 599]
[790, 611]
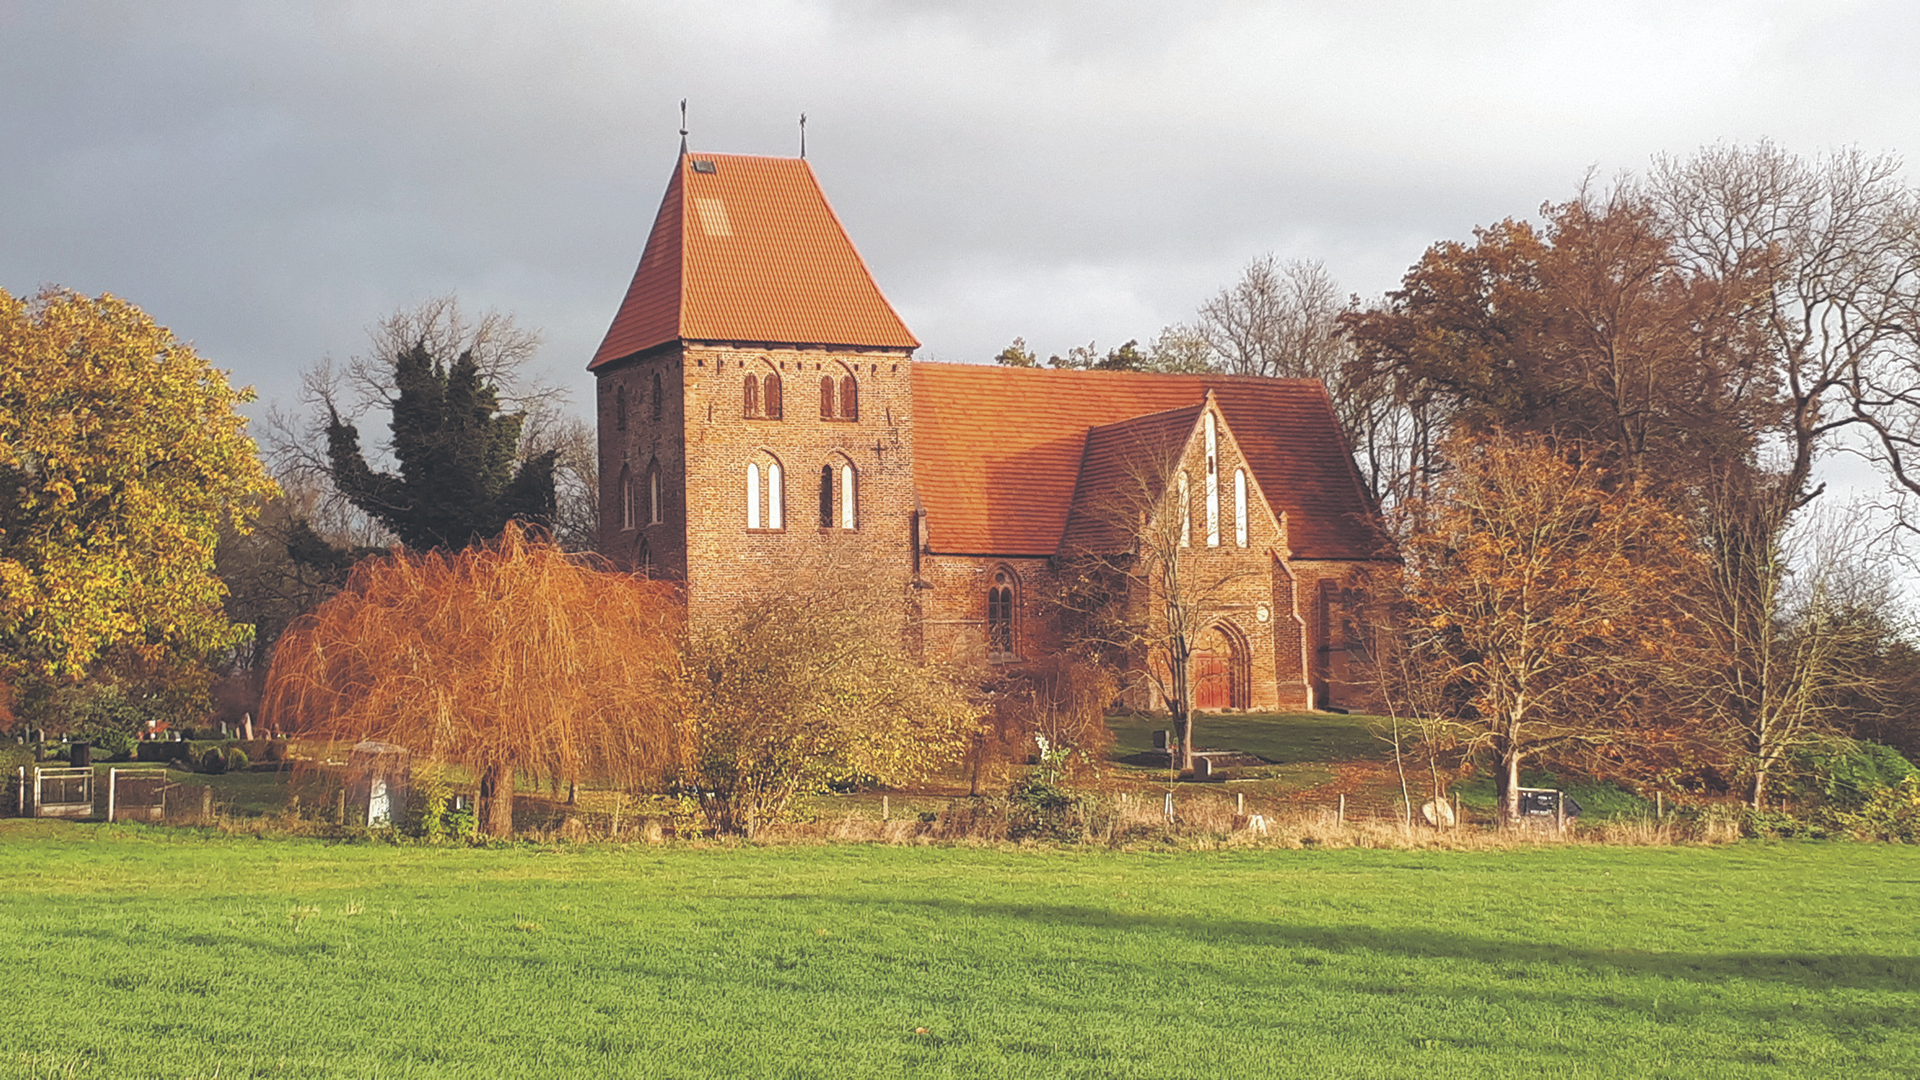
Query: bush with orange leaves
[510, 657]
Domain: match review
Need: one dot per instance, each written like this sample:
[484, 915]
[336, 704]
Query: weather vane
[803, 136]
[683, 125]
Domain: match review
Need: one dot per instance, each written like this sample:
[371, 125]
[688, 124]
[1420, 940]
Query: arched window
[1213, 484]
[750, 396]
[620, 407]
[659, 399]
[653, 493]
[849, 398]
[826, 397]
[848, 501]
[626, 498]
[826, 496]
[771, 399]
[1186, 511]
[1240, 507]
[1000, 617]
[766, 496]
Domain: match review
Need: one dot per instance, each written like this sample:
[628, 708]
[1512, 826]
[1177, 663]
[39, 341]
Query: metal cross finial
[683, 125]
[803, 136]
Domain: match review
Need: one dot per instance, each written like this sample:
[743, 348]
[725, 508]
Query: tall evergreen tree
[457, 481]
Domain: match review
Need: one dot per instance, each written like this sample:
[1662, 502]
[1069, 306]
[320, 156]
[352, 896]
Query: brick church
[759, 403]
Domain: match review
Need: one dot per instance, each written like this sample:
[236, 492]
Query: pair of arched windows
[839, 497]
[766, 494]
[631, 500]
[760, 396]
[839, 401]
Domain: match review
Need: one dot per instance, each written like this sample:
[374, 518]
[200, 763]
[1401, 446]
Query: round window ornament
[1263, 613]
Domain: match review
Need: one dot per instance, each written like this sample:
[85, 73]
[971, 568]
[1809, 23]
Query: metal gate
[62, 792]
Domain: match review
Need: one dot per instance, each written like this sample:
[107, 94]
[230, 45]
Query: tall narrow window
[826, 496]
[653, 494]
[753, 490]
[750, 396]
[659, 400]
[620, 407]
[1000, 618]
[826, 397]
[847, 502]
[1240, 507]
[770, 400]
[776, 497]
[1186, 511]
[849, 398]
[626, 499]
[1213, 484]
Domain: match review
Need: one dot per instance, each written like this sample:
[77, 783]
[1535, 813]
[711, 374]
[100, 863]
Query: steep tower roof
[746, 249]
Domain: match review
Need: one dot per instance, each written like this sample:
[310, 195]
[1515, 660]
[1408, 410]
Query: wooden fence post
[1343, 809]
[112, 774]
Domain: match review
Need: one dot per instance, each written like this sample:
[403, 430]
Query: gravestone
[376, 792]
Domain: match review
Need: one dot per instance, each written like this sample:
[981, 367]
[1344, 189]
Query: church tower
[754, 392]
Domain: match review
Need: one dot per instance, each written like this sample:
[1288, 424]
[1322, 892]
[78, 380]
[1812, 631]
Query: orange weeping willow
[507, 657]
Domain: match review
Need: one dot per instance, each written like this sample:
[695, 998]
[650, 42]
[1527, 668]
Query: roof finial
[803, 136]
[683, 127]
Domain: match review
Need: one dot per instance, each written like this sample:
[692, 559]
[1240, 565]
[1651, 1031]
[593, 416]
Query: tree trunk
[496, 800]
[1506, 786]
[1757, 794]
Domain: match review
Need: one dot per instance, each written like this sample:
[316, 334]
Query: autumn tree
[1540, 588]
[121, 457]
[511, 658]
[812, 684]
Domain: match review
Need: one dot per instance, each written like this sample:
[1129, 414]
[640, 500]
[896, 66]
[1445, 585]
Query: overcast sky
[269, 179]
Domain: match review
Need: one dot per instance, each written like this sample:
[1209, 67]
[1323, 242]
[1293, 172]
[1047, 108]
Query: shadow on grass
[1808, 970]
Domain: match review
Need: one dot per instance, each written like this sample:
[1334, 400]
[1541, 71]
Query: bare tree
[1827, 252]
[1792, 625]
[1141, 586]
[1279, 320]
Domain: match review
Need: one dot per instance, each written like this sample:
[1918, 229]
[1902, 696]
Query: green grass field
[137, 951]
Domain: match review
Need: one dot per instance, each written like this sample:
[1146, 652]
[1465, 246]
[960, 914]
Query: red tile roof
[1123, 470]
[750, 252]
[998, 452]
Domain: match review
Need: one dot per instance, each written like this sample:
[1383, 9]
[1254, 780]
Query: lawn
[1283, 738]
[136, 951]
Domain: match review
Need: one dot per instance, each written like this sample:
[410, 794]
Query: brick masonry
[1282, 618]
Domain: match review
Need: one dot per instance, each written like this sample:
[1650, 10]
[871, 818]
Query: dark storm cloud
[269, 179]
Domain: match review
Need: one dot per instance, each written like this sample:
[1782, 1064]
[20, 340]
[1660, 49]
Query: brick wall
[703, 440]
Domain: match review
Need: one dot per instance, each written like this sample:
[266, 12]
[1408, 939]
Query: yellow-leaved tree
[1540, 599]
[811, 684]
[121, 454]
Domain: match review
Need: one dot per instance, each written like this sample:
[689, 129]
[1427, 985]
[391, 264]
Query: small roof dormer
[747, 250]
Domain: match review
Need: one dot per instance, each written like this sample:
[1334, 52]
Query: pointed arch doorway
[1219, 670]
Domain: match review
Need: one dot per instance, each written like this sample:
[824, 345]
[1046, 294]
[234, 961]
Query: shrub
[237, 759]
[116, 745]
[1891, 813]
[214, 761]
